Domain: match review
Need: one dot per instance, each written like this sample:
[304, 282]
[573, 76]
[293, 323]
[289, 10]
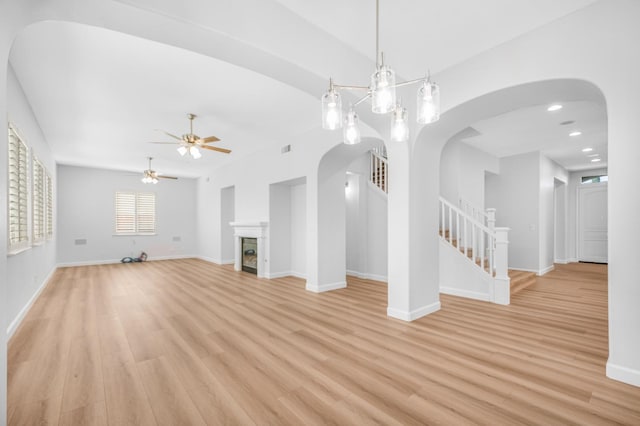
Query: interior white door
[592, 223]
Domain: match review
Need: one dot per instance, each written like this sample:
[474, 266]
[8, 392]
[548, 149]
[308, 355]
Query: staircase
[473, 252]
[378, 169]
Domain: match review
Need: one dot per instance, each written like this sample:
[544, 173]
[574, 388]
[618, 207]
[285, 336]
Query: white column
[413, 241]
[330, 271]
[502, 282]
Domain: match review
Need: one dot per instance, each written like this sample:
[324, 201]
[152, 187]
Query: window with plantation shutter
[49, 206]
[17, 193]
[38, 202]
[135, 213]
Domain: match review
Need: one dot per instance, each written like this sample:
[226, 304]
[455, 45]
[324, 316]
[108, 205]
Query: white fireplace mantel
[257, 230]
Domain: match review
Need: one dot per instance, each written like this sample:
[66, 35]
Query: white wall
[29, 270]
[86, 212]
[227, 214]
[575, 179]
[550, 172]
[514, 193]
[298, 217]
[279, 256]
[462, 173]
[366, 222]
[287, 229]
[560, 220]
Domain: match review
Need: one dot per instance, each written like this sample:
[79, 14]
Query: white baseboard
[465, 293]
[623, 374]
[364, 276]
[286, 274]
[560, 261]
[13, 326]
[228, 262]
[415, 314]
[523, 269]
[172, 257]
[326, 287]
[209, 259]
[298, 274]
[112, 261]
[88, 263]
[545, 270]
[572, 260]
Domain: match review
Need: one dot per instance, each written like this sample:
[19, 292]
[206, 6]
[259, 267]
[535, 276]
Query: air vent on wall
[285, 149]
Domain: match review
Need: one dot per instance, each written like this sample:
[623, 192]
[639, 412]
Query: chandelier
[382, 92]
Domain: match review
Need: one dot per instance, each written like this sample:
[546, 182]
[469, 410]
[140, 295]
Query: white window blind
[38, 201]
[135, 213]
[49, 206]
[17, 192]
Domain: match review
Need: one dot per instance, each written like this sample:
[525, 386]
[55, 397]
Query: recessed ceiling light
[587, 149]
[593, 155]
[595, 160]
[554, 107]
[575, 133]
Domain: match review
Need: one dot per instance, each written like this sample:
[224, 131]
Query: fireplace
[250, 255]
[251, 247]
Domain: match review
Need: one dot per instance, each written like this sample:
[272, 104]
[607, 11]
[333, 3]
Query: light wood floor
[186, 342]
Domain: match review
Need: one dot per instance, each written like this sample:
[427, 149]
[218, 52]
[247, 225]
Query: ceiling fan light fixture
[195, 152]
[182, 150]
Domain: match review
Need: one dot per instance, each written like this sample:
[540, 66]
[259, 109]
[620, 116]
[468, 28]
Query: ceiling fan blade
[166, 143]
[210, 139]
[173, 136]
[166, 177]
[214, 148]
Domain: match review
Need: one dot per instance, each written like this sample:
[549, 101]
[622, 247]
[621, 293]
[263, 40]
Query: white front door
[592, 223]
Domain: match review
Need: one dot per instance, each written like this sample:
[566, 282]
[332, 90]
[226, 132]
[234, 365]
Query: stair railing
[477, 213]
[378, 174]
[470, 237]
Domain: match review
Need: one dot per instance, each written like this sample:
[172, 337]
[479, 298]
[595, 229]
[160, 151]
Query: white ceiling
[536, 129]
[99, 94]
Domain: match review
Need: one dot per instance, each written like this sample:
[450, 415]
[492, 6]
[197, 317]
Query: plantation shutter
[18, 193]
[135, 213]
[49, 214]
[125, 212]
[146, 213]
[38, 201]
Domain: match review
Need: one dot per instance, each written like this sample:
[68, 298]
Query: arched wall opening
[328, 263]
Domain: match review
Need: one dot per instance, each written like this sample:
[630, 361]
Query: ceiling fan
[151, 176]
[190, 142]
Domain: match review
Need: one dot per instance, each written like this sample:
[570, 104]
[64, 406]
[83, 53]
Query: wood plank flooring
[188, 342]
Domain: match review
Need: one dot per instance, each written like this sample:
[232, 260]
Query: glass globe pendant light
[331, 109]
[399, 124]
[351, 131]
[428, 102]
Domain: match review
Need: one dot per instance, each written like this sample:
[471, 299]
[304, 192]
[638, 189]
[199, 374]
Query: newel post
[502, 282]
[491, 218]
